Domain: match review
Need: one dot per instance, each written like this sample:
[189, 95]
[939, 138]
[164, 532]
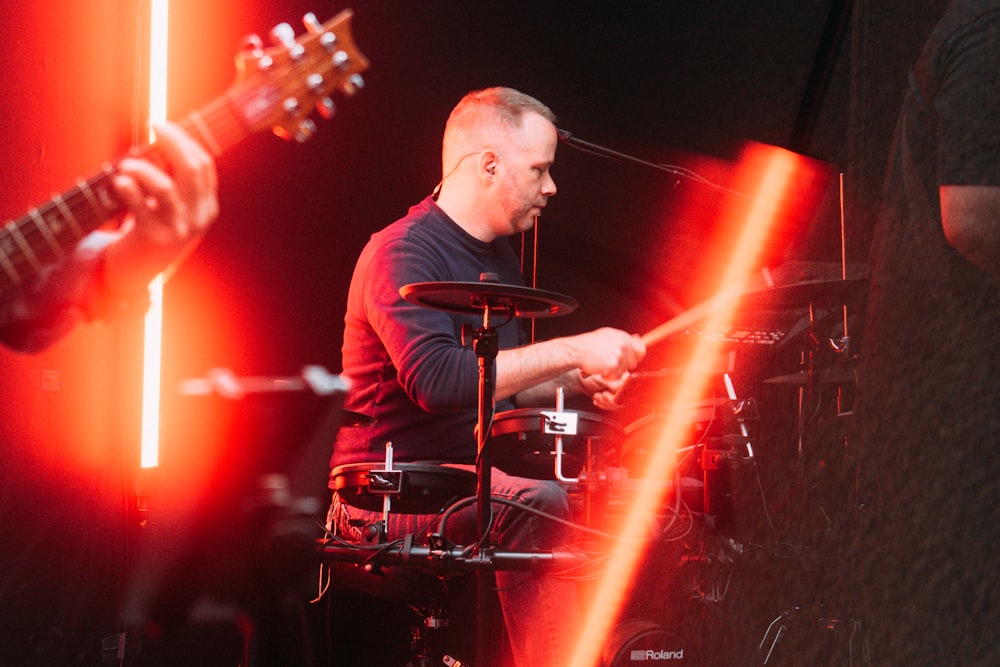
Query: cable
[607, 153]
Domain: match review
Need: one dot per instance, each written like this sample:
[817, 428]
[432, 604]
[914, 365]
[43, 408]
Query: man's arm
[528, 371]
[970, 215]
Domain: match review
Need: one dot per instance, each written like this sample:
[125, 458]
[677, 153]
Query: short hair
[482, 116]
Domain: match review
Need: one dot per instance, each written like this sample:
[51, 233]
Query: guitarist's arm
[108, 273]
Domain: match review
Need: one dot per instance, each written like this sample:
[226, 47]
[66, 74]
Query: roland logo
[642, 655]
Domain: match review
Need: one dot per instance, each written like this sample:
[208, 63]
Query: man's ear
[488, 162]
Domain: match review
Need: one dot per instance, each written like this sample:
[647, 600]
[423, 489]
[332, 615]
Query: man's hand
[169, 212]
[607, 352]
[601, 391]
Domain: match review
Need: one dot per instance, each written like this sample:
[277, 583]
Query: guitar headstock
[280, 86]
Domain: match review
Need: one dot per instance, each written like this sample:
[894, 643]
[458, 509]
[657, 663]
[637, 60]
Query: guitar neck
[277, 88]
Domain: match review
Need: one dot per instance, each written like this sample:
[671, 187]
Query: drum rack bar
[453, 558]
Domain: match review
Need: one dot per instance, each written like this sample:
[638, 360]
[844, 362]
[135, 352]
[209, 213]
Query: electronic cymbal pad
[500, 299]
[815, 292]
[835, 374]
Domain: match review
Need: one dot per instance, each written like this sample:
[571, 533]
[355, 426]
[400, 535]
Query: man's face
[524, 177]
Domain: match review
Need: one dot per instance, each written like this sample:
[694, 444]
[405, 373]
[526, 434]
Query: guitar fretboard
[44, 234]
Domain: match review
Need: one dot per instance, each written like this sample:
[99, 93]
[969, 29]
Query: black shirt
[928, 402]
[407, 366]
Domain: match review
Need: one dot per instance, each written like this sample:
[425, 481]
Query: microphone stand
[567, 138]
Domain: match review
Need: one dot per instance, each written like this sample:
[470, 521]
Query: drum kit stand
[375, 485]
[491, 299]
[582, 451]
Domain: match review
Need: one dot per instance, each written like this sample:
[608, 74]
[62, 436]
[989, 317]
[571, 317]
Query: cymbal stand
[843, 346]
[807, 360]
[485, 343]
[593, 482]
[736, 448]
[392, 485]
[738, 407]
[814, 343]
[490, 298]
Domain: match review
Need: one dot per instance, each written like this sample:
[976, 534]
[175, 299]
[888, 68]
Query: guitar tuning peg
[326, 108]
[327, 40]
[300, 132]
[290, 107]
[306, 129]
[311, 23]
[314, 82]
[253, 45]
[283, 35]
[352, 84]
[341, 59]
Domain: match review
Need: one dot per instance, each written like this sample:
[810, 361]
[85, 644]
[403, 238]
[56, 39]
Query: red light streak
[767, 172]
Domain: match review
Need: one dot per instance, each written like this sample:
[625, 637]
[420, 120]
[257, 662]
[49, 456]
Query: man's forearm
[526, 370]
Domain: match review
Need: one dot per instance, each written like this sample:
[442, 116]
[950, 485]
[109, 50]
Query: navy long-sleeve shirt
[408, 369]
[43, 309]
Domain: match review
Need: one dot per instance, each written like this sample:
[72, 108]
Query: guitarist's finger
[156, 188]
[194, 171]
[182, 151]
[153, 210]
[128, 191]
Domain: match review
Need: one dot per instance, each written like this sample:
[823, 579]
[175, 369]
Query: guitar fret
[208, 139]
[218, 122]
[43, 227]
[68, 216]
[24, 246]
[98, 200]
[84, 188]
[8, 266]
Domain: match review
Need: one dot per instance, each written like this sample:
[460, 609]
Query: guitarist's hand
[169, 211]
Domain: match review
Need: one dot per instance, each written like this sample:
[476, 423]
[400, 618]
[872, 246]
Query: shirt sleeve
[968, 105]
[424, 344]
[37, 313]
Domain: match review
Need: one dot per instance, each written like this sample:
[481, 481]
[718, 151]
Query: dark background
[683, 83]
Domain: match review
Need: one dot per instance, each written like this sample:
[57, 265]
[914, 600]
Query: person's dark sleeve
[42, 310]
[434, 369]
[968, 105]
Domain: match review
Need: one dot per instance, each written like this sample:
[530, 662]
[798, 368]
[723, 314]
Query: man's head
[485, 118]
[498, 147]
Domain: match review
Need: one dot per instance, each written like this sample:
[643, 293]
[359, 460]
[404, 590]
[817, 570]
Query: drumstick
[677, 324]
[686, 319]
[704, 309]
